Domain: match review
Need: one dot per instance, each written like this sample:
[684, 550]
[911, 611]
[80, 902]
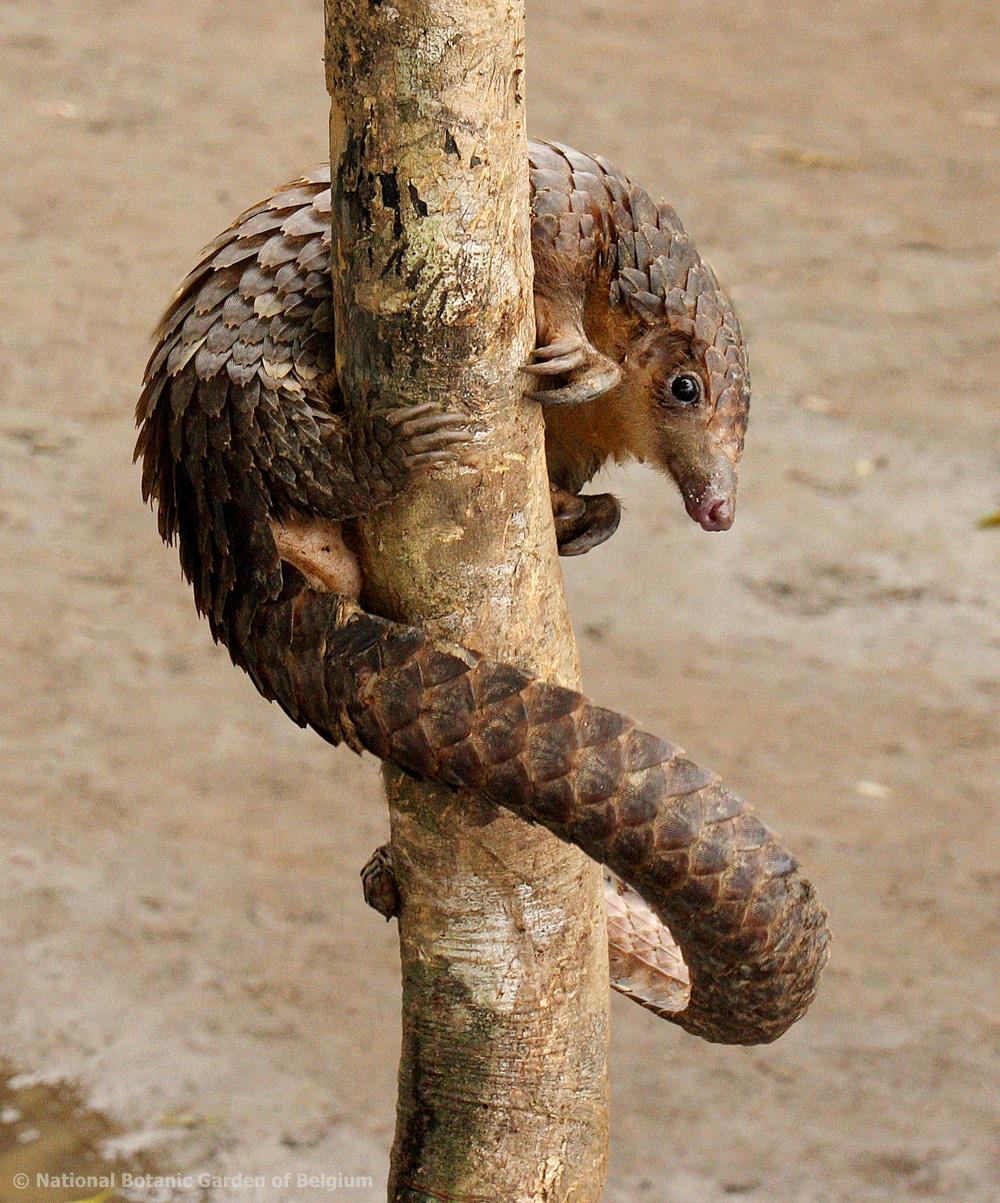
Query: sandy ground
[181, 926]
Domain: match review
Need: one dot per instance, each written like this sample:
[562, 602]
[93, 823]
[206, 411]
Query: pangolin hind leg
[318, 551]
[583, 521]
[378, 881]
[564, 355]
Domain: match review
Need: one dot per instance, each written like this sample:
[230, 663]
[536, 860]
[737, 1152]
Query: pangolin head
[690, 361]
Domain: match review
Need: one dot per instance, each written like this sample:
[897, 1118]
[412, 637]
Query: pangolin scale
[243, 430]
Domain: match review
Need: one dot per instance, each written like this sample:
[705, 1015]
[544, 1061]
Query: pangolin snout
[713, 512]
[710, 496]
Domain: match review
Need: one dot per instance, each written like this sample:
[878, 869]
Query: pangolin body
[244, 434]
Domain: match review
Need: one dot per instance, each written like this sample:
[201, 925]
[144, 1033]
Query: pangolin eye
[686, 389]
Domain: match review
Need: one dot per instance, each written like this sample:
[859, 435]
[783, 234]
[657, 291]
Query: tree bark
[503, 1073]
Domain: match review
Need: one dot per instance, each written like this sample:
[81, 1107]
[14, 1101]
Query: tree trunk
[503, 1074]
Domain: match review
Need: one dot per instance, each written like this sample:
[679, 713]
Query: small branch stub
[503, 1073]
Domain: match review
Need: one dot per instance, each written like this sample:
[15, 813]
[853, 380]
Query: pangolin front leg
[571, 245]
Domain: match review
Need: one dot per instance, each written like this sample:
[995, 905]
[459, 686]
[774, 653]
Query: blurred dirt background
[182, 932]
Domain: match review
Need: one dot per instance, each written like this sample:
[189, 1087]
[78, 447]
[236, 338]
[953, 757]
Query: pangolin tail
[748, 924]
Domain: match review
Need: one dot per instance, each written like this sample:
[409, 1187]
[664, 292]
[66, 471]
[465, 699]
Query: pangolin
[257, 465]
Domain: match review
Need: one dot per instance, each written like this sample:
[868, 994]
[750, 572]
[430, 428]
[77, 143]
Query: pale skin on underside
[316, 548]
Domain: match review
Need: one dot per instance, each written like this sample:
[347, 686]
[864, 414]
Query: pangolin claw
[406, 413]
[589, 373]
[566, 506]
[431, 423]
[595, 523]
[429, 434]
[561, 363]
[556, 349]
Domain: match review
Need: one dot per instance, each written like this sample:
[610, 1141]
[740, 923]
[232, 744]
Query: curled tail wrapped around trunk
[749, 925]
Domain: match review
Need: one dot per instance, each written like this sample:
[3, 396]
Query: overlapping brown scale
[289, 277]
[551, 203]
[300, 195]
[272, 219]
[323, 200]
[546, 179]
[276, 250]
[209, 363]
[548, 749]
[595, 725]
[198, 323]
[631, 846]
[238, 251]
[306, 222]
[446, 718]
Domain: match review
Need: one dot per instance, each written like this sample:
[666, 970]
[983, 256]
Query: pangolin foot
[430, 435]
[583, 522]
[588, 374]
[378, 881]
